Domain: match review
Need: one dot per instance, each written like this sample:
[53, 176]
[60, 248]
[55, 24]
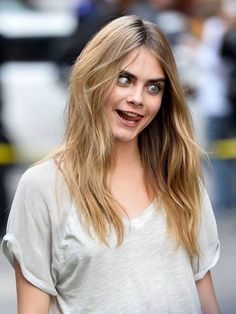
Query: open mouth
[129, 118]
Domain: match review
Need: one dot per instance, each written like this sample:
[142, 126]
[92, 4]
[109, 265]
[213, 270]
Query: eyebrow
[153, 80]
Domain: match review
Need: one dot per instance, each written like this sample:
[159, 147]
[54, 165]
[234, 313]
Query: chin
[125, 137]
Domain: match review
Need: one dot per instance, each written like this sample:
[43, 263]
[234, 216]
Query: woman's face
[136, 98]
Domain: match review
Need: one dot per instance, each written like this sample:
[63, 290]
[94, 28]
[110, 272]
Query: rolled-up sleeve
[29, 236]
[208, 240]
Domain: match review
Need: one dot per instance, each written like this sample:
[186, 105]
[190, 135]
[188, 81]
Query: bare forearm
[30, 300]
[207, 295]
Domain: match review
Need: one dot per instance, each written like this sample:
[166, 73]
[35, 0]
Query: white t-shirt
[145, 275]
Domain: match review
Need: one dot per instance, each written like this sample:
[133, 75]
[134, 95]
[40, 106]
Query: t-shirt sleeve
[29, 235]
[208, 240]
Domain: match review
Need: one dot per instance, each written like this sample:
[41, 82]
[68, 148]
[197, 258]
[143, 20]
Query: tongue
[129, 118]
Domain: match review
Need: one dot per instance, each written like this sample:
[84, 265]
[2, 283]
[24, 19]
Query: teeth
[130, 114]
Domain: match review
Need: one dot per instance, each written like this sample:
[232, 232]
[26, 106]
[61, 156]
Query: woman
[118, 220]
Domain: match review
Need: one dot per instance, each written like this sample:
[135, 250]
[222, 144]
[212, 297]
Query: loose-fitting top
[145, 275]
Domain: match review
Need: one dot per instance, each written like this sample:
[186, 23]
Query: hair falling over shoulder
[168, 150]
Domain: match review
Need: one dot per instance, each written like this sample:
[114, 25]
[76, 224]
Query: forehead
[142, 61]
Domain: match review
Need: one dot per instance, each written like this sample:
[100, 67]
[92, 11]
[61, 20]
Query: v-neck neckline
[142, 217]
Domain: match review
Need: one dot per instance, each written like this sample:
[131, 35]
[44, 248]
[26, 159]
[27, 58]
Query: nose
[135, 96]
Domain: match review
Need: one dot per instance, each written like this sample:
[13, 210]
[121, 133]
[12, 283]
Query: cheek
[155, 107]
[109, 97]
[116, 95]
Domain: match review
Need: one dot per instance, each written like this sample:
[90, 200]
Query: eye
[154, 88]
[123, 79]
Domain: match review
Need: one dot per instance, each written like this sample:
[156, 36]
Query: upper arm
[208, 256]
[30, 300]
[29, 235]
[207, 295]
[208, 240]
[29, 242]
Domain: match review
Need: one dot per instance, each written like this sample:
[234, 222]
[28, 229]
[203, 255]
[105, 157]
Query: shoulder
[43, 179]
[207, 210]
[41, 176]
[42, 189]
[208, 227]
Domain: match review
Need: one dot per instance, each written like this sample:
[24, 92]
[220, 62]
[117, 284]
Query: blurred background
[40, 40]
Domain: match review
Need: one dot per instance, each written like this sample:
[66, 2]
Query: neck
[126, 154]
[127, 167]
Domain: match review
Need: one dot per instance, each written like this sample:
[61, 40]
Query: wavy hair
[168, 150]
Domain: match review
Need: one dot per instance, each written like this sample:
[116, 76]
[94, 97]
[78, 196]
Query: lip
[130, 124]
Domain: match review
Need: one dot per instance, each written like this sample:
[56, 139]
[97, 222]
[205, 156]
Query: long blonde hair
[168, 151]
